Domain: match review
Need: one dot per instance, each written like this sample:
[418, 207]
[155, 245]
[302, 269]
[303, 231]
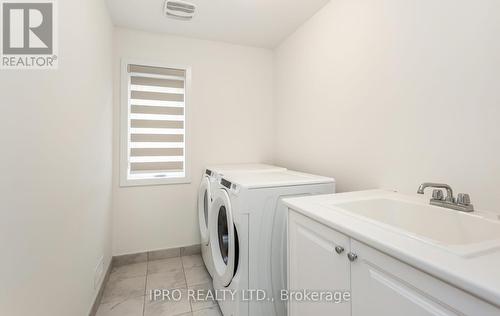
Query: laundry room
[250, 158]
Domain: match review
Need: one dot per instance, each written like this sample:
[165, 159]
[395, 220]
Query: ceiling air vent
[180, 10]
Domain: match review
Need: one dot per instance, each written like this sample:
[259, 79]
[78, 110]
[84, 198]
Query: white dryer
[210, 178]
[248, 236]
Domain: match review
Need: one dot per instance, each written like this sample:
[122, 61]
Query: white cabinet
[317, 261]
[380, 285]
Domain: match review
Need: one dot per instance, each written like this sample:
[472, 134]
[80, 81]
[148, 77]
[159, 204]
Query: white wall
[392, 93]
[55, 165]
[231, 119]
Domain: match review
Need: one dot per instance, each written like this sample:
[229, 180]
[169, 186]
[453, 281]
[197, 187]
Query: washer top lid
[247, 167]
[270, 179]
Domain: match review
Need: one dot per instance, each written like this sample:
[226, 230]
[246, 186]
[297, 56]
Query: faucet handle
[437, 195]
[463, 199]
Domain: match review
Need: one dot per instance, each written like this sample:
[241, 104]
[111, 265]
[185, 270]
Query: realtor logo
[28, 35]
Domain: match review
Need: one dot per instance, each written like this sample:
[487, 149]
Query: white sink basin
[459, 232]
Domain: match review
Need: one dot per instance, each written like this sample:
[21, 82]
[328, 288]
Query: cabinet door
[315, 265]
[384, 286]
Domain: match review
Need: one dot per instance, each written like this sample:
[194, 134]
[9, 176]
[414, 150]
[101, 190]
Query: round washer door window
[204, 206]
[223, 233]
[223, 239]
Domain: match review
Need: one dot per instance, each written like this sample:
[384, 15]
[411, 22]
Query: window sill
[153, 182]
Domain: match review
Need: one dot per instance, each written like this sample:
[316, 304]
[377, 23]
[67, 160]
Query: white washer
[248, 236]
[209, 179]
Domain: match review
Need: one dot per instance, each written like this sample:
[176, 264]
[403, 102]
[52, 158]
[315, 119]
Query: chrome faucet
[449, 190]
[461, 203]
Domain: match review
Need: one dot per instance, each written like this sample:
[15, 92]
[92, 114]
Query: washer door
[204, 206]
[223, 239]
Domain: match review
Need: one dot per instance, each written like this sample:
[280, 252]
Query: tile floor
[127, 292]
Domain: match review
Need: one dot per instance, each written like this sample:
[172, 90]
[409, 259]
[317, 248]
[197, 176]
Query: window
[153, 124]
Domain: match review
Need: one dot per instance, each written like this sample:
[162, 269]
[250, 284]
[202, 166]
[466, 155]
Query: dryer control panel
[226, 184]
[229, 185]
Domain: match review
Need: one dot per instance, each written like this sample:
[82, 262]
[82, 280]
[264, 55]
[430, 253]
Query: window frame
[125, 128]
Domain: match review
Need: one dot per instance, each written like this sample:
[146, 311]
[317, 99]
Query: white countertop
[478, 274]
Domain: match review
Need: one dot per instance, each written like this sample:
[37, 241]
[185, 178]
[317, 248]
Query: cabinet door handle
[339, 249]
[352, 256]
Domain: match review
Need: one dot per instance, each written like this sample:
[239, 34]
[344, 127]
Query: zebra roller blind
[156, 123]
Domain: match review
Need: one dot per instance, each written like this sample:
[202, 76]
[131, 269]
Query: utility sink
[462, 233]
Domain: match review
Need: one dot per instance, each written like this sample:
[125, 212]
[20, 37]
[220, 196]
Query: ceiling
[261, 23]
